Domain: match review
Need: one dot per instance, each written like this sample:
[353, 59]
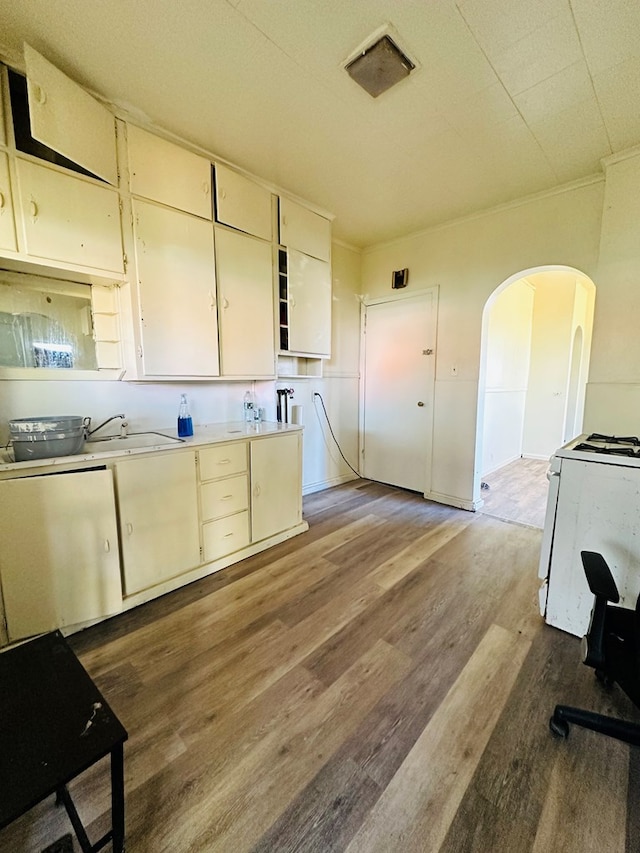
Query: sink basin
[129, 442]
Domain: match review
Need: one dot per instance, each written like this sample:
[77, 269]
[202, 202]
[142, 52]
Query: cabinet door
[177, 286]
[302, 229]
[69, 219]
[67, 119]
[165, 172]
[245, 288]
[59, 563]
[158, 506]
[276, 485]
[242, 204]
[7, 224]
[309, 293]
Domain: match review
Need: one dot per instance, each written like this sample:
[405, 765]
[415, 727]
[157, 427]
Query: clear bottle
[185, 424]
[248, 407]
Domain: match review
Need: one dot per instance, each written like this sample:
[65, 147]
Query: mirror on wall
[45, 323]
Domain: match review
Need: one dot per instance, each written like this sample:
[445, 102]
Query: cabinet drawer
[224, 497]
[222, 461]
[225, 535]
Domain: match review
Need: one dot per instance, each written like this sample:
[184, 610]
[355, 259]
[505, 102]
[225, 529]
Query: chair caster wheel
[559, 728]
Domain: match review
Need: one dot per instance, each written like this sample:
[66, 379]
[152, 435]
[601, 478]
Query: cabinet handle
[292, 302]
[226, 498]
[256, 490]
[129, 528]
[224, 462]
[212, 300]
[41, 95]
[1, 201]
[225, 302]
[223, 193]
[205, 188]
[33, 207]
[107, 546]
[227, 535]
[284, 220]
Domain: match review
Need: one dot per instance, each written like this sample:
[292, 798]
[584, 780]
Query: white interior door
[399, 369]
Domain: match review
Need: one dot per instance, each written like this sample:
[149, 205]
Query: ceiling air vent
[380, 67]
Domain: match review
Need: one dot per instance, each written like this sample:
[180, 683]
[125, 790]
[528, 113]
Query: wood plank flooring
[382, 682]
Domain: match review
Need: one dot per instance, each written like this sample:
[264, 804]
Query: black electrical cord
[315, 394]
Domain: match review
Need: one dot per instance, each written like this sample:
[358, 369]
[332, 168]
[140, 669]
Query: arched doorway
[536, 339]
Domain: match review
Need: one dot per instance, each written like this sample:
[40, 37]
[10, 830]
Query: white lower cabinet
[224, 499]
[276, 485]
[158, 508]
[59, 562]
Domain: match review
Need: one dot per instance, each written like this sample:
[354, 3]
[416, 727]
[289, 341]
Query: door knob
[420, 403]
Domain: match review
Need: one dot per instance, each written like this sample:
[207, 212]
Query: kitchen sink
[129, 442]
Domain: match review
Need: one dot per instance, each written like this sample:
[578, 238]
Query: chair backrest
[599, 577]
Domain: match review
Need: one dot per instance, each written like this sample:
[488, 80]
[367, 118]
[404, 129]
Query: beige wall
[467, 261]
[613, 393]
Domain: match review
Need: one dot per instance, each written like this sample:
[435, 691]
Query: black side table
[54, 724]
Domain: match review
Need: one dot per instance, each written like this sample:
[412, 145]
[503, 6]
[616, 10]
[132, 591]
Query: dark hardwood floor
[382, 682]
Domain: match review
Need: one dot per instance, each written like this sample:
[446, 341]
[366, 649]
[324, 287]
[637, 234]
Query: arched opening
[536, 340]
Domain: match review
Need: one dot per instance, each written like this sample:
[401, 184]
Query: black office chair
[612, 647]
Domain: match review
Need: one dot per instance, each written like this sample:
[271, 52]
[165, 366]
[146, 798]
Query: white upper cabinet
[67, 119]
[242, 204]
[164, 172]
[304, 230]
[309, 299]
[68, 218]
[177, 292]
[245, 305]
[7, 224]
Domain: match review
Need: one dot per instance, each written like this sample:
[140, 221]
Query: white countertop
[203, 435]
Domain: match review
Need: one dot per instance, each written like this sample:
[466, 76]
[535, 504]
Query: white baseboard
[310, 488]
[452, 500]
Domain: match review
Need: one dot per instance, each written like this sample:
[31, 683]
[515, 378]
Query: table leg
[117, 797]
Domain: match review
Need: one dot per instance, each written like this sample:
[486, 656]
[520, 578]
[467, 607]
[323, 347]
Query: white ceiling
[510, 97]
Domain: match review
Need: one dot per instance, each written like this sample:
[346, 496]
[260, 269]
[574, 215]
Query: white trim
[451, 500]
[321, 485]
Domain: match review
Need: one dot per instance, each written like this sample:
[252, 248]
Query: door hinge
[125, 260]
[139, 352]
[201, 554]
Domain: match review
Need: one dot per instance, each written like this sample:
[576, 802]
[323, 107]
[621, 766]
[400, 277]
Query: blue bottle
[185, 424]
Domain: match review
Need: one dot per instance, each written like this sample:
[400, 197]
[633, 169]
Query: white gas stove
[593, 505]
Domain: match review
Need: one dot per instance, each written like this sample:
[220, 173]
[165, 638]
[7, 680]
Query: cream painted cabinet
[176, 292]
[7, 223]
[242, 204]
[59, 562]
[224, 499]
[245, 305]
[68, 218]
[167, 173]
[69, 120]
[304, 230]
[158, 511]
[308, 304]
[276, 484]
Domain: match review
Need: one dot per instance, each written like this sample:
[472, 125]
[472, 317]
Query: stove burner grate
[613, 439]
[611, 451]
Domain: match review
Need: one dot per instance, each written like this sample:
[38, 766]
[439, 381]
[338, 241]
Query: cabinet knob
[33, 209]
[1, 201]
[420, 403]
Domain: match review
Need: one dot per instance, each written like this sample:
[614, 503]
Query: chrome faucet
[123, 427]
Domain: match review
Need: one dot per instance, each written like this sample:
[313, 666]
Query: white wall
[508, 347]
[613, 392]
[467, 260]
